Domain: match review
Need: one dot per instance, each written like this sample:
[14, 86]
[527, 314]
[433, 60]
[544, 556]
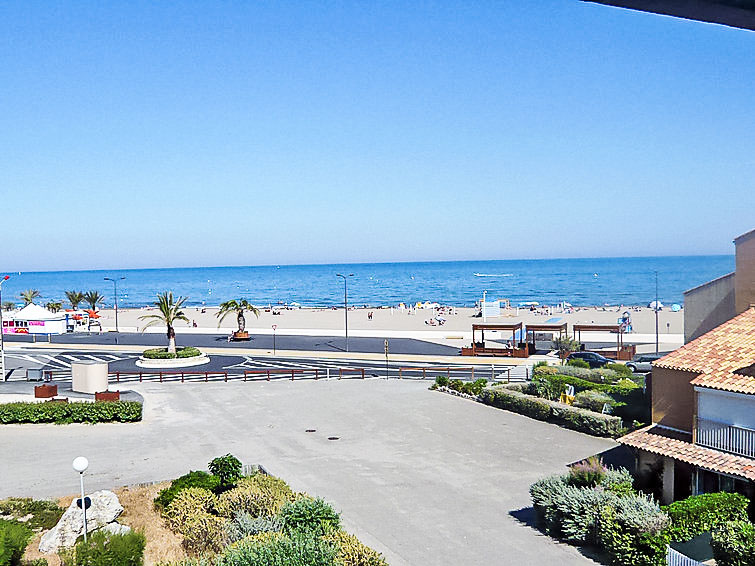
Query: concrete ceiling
[734, 13]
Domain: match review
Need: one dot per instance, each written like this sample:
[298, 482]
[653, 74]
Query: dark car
[594, 359]
[642, 362]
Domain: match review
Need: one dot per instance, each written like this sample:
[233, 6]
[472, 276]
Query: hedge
[13, 539]
[163, 354]
[696, 515]
[66, 413]
[567, 416]
[733, 544]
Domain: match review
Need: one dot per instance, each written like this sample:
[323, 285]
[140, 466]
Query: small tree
[227, 468]
[238, 307]
[29, 295]
[9, 305]
[170, 312]
[93, 299]
[565, 345]
[75, 298]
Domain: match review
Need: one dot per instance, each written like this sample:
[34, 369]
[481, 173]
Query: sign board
[491, 308]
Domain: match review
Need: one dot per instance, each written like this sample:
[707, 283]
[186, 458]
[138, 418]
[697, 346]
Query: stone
[105, 508]
[115, 528]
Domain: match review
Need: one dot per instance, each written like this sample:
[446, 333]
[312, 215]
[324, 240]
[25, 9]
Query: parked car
[593, 358]
[642, 363]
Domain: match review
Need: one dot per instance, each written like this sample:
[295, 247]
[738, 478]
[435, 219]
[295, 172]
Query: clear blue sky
[146, 134]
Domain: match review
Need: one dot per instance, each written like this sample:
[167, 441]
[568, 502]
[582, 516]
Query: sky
[160, 134]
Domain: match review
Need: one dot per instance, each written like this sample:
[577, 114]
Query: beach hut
[33, 319]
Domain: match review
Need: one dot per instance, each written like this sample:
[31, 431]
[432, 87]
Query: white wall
[725, 407]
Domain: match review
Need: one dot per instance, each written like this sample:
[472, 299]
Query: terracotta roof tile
[718, 354]
[660, 440]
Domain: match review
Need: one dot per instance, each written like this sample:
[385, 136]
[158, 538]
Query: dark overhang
[734, 13]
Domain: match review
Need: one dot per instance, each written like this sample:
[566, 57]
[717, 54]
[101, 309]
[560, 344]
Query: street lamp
[274, 327]
[2, 343]
[656, 312]
[80, 464]
[346, 306]
[115, 294]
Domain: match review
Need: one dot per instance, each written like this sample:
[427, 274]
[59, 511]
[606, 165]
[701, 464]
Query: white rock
[115, 528]
[105, 509]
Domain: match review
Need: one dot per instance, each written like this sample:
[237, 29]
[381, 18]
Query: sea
[583, 281]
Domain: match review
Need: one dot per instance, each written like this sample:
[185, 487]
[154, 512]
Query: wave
[494, 275]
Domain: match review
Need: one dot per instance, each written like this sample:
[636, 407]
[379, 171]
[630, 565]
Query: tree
[9, 305]
[170, 312]
[54, 306]
[75, 297]
[565, 345]
[93, 298]
[29, 295]
[238, 307]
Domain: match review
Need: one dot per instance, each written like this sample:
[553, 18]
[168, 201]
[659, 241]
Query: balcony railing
[726, 437]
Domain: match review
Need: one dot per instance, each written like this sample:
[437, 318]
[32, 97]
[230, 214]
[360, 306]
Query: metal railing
[725, 437]
[676, 558]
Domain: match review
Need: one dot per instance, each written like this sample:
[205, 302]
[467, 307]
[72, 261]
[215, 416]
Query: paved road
[424, 477]
[257, 341]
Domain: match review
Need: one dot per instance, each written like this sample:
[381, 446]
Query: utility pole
[345, 306]
[115, 296]
[2, 342]
[386, 358]
[656, 312]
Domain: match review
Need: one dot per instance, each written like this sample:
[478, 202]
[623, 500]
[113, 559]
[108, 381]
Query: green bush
[188, 352]
[352, 552]
[701, 513]
[587, 473]
[540, 364]
[205, 533]
[312, 515]
[541, 409]
[260, 495]
[66, 413]
[619, 481]
[163, 354]
[13, 539]
[44, 514]
[298, 549]
[244, 525]
[593, 400]
[104, 549]
[577, 363]
[733, 544]
[187, 505]
[192, 479]
[227, 468]
[441, 381]
[627, 542]
[621, 369]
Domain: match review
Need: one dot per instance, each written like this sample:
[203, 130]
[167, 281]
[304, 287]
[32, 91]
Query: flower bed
[66, 413]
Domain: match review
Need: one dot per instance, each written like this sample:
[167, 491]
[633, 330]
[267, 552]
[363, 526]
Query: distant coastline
[579, 281]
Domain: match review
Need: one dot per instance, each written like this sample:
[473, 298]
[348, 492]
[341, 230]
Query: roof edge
[745, 236]
[716, 280]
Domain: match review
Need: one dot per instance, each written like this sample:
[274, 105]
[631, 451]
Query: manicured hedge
[733, 544]
[567, 416]
[66, 413]
[696, 515]
[163, 354]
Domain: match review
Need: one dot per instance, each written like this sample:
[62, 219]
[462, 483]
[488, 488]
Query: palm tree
[238, 307]
[29, 295]
[75, 297]
[170, 312]
[93, 298]
[54, 306]
[9, 305]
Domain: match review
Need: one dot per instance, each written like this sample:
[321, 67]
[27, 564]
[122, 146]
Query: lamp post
[345, 306]
[115, 294]
[80, 464]
[2, 343]
[656, 312]
[274, 327]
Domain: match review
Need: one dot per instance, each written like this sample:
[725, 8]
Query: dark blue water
[579, 281]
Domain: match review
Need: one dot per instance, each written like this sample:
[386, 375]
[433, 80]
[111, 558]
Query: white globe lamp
[80, 464]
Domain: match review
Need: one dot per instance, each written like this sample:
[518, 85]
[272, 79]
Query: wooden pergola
[553, 327]
[622, 352]
[478, 348]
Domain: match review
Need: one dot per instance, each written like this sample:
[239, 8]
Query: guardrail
[278, 373]
[442, 369]
[725, 437]
[167, 374]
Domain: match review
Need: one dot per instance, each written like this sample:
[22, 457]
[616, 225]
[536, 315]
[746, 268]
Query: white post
[327, 373]
[83, 505]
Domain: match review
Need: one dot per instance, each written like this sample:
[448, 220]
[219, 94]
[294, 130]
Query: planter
[45, 391]
[169, 363]
[240, 335]
[107, 396]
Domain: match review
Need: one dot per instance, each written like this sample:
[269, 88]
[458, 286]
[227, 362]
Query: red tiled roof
[660, 440]
[717, 354]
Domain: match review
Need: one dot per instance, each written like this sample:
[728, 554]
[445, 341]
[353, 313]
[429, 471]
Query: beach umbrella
[655, 305]
[676, 307]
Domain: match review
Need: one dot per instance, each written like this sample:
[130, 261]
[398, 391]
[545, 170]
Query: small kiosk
[33, 319]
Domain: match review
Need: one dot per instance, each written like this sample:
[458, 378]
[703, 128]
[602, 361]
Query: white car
[643, 362]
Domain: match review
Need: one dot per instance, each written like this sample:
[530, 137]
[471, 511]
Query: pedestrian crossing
[58, 361]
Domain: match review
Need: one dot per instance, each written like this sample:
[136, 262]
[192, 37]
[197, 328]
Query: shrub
[66, 413]
[352, 552]
[619, 481]
[188, 352]
[259, 495]
[227, 468]
[441, 381]
[188, 504]
[312, 515]
[570, 417]
[696, 515]
[192, 479]
[544, 370]
[456, 385]
[298, 549]
[577, 363]
[13, 539]
[475, 387]
[540, 364]
[621, 369]
[44, 514]
[205, 533]
[733, 544]
[244, 525]
[592, 400]
[104, 549]
[587, 473]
